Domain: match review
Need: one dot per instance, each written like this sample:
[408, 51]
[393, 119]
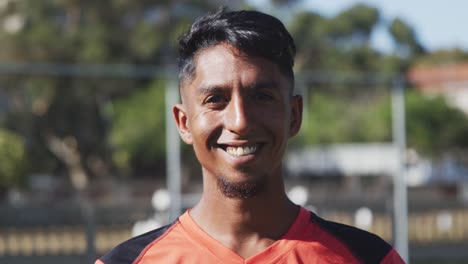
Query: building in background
[449, 80]
[357, 160]
[373, 160]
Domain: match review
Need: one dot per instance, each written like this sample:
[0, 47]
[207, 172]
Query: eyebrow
[264, 84]
[268, 84]
[208, 89]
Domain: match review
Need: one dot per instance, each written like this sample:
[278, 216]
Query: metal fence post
[400, 200]
[173, 152]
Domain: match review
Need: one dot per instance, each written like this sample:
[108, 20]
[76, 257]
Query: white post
[173, 152]
[400, 200]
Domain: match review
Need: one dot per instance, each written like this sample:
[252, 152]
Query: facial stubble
[240, 190]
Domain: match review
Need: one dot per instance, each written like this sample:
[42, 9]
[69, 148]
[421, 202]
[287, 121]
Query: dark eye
[262, 97]
[215, 99]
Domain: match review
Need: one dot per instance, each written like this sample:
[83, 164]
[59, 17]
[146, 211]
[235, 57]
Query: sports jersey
[310, 239]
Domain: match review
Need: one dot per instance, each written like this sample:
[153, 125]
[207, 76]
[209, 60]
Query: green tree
[138, 133]
[12, 159]
[353, 26]
[342, 43]
[332, 118]
[405, 38]
[433, 126]
[445, 56]
[308, 30]
[337, 44]
[63, 115]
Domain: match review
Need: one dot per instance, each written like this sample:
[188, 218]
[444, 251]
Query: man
[238, 111]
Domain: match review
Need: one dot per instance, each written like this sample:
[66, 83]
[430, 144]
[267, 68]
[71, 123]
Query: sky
[439, 24]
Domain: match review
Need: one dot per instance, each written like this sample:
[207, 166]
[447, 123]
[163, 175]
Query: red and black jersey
[310, 239]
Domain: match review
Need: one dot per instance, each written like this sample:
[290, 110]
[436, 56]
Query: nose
[238, 116]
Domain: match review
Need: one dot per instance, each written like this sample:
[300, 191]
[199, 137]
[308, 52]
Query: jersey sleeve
[392, 258]
[130, 250]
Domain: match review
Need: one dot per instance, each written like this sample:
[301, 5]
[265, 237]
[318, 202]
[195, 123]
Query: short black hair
[252, 32]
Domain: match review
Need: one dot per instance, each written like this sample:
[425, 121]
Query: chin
[243, 189]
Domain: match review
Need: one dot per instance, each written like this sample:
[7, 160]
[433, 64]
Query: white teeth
[241, 151]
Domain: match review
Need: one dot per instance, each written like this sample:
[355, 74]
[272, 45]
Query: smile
[241, 150]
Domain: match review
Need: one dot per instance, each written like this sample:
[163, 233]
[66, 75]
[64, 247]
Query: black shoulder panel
[367, 247]
[128, 251]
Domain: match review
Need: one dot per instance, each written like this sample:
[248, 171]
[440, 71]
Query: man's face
[238, 112]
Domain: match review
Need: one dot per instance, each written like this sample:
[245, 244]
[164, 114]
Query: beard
[240, 190]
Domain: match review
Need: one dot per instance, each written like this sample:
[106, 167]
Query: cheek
[276, 117]
[204, 128]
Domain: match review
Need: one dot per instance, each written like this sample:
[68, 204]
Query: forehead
[223, 65]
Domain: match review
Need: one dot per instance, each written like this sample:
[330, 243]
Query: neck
[239, 223]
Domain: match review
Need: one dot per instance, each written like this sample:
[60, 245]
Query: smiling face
[238, 112]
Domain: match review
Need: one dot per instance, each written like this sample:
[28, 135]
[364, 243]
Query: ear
[296, 115]
[181, 120]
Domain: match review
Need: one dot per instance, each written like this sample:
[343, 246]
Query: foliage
[338, 119]
[12, 158]
[62, 106]
[342, 43]
[138, 131]
[405, 37]
[354, 25]
[433, 127]
[448, 56]
[116, 121]
[338, 43]
[284, 2]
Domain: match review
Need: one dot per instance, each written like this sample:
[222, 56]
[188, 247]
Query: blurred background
[87, 160]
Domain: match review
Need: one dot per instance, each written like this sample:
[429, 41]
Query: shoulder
[130, 250]
[367, 247]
